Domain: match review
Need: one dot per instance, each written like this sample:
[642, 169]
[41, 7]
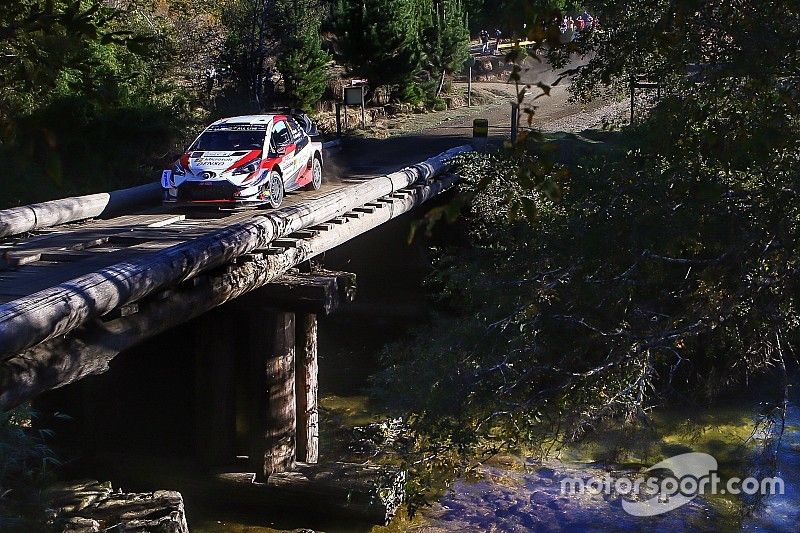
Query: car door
[284, 144]
[303, 151]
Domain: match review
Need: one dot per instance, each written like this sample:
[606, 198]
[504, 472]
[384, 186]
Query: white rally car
[249, 160]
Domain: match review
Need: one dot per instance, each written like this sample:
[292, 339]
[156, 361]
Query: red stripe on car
[249, 158]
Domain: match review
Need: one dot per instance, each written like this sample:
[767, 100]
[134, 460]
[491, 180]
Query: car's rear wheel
[275, 185]
[316, 175]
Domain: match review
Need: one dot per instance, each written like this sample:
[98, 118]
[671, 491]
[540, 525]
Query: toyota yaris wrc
[250, 160]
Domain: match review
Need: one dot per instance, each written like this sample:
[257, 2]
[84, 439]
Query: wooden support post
[338, 119]
[469, 87]
[363, 114]
[215, 398]
[633, 97]
[514, 121]
[273, 413]
[100, 399]
[306, 388]
[480, 136]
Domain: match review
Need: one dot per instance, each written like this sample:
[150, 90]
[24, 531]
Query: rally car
[248, 160]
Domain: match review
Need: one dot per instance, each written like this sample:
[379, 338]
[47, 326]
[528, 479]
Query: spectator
[498, 35]
[588, 21]
[484, 42]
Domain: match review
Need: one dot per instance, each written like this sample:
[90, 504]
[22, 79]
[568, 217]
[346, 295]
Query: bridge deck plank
[56, 255]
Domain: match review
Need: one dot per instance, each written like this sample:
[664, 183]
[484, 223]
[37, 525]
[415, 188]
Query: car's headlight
[249, 168]
[177, 170]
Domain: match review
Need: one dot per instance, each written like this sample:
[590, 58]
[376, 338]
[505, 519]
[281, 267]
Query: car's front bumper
[216, 192]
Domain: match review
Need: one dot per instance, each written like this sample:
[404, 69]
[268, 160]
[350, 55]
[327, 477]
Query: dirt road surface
[428, 134]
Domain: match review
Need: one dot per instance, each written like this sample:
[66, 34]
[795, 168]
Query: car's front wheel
[275, 185]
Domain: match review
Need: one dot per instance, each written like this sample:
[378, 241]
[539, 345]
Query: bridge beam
[89, 351]
[320, 292]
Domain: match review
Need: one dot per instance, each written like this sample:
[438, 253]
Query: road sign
[354, 95]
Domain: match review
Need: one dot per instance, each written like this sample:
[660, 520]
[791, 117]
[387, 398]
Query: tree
[515, 17]
[72, 70]
[39, 44]
[445, 38]
[302, 62]
[726, 67]
[669, 270]
[248, 45]
[380, 39]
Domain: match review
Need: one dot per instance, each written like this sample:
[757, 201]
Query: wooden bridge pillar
[306, 387]
[272, 439]
[280, 417]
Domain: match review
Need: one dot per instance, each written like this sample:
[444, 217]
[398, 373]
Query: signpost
[355, 96]
[469, 63]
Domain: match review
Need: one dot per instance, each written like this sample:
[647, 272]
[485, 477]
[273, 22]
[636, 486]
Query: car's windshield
[222, 140]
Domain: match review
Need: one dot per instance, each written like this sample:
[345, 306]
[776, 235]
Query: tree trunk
[441, 84]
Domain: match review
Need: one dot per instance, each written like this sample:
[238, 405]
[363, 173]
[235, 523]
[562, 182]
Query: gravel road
[441, 131]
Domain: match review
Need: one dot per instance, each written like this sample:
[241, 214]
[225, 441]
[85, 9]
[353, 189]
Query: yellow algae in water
[402, 523]
[351, 410]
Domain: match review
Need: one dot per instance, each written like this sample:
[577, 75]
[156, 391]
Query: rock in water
[88, 507]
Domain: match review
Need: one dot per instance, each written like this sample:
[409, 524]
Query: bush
[26, 468]
[411, 93]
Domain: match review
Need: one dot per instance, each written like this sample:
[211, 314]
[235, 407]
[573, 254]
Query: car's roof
[248, 120]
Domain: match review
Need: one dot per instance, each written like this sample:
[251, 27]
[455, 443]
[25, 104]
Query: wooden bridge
[84, 279]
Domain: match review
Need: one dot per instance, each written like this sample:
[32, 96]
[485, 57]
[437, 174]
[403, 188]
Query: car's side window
[300, 137]
[296, 135]
[280, 134]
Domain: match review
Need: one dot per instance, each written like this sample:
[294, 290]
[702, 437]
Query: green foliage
[445, 38]
[26, 467]
[414, 93]
[302, 62]
[511, 15]
[248, 43]
[667, 271]
[380, 39]
[392, 43]
[92, 97]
